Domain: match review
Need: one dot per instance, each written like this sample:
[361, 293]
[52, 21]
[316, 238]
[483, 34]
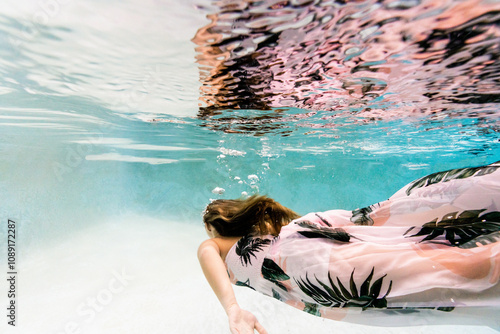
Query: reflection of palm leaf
[453, 174]
[461, 230]
[337, 295]
[272, 272]
[248, 246]
[337, 234]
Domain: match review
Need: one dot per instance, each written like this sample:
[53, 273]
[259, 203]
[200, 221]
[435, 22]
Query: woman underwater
[433, 245]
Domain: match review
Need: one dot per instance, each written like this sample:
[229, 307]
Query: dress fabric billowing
[432, 249]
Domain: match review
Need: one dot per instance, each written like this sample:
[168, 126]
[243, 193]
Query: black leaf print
[248, 246]
[482, 240]
[323, 220]
[276, 295]
[311, 308]
[464, 231]
[273, 273]
[338, 234]
[453, 174]
[445, 308]
[245, 284]
[337, 295]
[408, 310]
[362, 216]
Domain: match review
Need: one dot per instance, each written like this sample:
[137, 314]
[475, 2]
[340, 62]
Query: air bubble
[218, 190]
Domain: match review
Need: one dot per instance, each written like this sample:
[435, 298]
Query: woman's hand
[240, 321]
[243, 322]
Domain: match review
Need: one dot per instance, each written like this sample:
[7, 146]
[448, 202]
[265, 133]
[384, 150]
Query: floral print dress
[433, 247]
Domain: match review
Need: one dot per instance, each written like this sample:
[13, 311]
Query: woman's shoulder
[222, 245]
[207, 246]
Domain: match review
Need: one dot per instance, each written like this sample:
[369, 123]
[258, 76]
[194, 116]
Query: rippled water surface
[149, 109]
[375, 59]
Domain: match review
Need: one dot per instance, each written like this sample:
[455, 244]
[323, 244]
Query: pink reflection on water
[386, 59]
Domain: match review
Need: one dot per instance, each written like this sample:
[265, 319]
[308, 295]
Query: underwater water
[121, 120]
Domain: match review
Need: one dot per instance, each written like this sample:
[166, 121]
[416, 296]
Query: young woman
[435, 244]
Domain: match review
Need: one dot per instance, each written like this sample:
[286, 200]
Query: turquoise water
[108, 155]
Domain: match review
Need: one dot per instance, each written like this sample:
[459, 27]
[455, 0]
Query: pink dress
[432, 249]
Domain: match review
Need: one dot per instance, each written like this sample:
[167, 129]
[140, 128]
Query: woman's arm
[215, 273]
[240, 321]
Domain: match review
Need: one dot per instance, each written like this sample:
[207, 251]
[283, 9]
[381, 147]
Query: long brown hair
[257, 215]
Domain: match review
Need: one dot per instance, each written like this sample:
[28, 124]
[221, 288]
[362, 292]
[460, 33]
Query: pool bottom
[137, 274]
